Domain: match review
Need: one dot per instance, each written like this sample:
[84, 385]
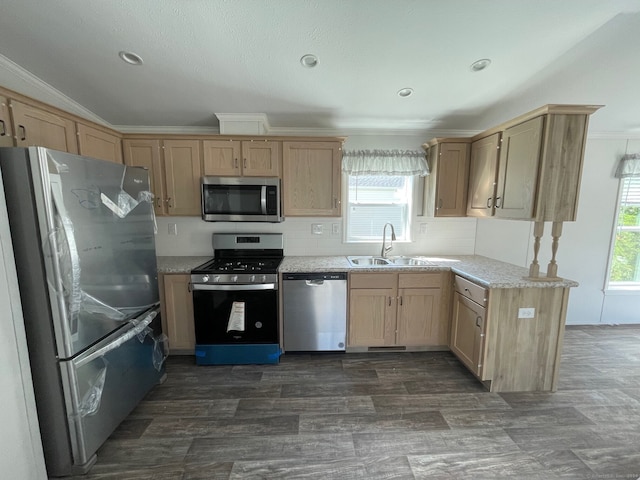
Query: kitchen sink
[409, 261]
[369, 261]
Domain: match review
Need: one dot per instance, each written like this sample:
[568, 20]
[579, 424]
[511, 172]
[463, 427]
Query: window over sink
[372, 201]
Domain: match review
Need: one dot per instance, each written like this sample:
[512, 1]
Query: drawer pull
[478, 320]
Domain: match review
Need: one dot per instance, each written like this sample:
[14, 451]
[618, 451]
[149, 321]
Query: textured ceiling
[242, 56]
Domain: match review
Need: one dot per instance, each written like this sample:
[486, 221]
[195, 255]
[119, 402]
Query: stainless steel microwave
[241, 199]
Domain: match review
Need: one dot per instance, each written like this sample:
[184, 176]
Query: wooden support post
[556, 232]
[538, 231]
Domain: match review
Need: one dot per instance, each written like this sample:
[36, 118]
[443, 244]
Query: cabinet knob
[497, 203]
[3, 132]
[21, 128]
[478, 320]
[489, 202]
[244, 163]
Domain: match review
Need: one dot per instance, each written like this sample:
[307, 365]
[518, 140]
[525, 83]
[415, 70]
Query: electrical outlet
[526, 312]
[173, 229]
[423, 228]
[335, 229]
[317, 228]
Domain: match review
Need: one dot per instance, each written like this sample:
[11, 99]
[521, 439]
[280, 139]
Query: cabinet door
[33, 126]
[483, 172]
[182, 170]
[146, 154]
[178, 303]
[221, 157]
[311, 178]
[419, 321]
[6, 132]
[99, 144]
[372, 317]
[467, 332]
[518, 170]
[451, 181]
[261, 158]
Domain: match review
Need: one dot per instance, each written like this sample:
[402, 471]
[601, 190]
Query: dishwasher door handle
[314, 283]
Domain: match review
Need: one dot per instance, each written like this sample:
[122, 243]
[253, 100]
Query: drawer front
[372, 280]
[420, 280]
[470, 290]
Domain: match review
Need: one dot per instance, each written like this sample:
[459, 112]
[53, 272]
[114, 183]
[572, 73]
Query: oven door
[235, 314]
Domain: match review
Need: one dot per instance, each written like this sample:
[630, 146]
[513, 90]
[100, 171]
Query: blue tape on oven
[274, 356]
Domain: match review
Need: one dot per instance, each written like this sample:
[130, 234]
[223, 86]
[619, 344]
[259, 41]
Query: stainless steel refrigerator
[83, 238]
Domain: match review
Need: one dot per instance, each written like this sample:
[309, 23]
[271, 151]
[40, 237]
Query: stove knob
[205, 278]
[264, 279]
[216, 278]
[234, 278]
[252, 279]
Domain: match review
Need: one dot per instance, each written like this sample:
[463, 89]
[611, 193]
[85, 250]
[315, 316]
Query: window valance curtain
[384, 162]
[629, 166]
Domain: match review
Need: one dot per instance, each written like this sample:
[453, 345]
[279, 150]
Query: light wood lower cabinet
[34, 126]
[177, 312]
[397, 309]
[509, 353]
[100, 144]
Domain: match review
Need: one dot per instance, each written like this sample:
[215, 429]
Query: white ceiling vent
[243, 123]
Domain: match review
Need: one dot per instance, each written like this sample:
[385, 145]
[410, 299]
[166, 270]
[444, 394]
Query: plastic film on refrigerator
[160, 349]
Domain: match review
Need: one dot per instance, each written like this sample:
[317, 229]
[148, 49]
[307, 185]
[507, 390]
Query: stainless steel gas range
[235, 300]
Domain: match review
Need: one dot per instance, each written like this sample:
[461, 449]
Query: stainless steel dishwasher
[315, 311]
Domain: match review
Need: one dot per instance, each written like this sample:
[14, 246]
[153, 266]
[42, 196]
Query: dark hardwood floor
[386, 416]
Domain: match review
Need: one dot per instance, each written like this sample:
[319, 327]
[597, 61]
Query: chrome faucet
[385, 249]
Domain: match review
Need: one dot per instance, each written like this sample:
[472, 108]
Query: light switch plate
[173, 229]
[335, 228]
[316, 228]
[526, 312]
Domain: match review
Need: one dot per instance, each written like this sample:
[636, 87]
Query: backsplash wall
[453, 236]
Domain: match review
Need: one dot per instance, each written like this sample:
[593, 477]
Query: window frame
[632, 288]
[414, 185]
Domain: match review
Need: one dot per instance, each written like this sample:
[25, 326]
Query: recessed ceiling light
[309, 60]
[481, 64]
[405, 92]
[131, 58]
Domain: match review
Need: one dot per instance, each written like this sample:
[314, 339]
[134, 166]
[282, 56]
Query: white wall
[21, 454]
[443, 236]
[584, 246]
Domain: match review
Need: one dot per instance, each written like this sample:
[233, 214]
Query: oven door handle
[263, 199]
[258, 286]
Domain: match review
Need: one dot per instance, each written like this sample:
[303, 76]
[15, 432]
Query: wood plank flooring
[386, 416]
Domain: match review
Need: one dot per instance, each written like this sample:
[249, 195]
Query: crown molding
[26, 83]
[166, 130]
[613, 135]
[332, 132]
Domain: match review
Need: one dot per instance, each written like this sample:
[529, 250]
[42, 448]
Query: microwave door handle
[263, 199]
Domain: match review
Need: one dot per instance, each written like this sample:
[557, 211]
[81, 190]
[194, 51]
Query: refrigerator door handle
[100, 352]
[70, 308]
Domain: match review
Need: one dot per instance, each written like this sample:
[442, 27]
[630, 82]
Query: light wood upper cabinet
[249, 158]
[518, 170]
[446, 194]
[483, 172]
[6, 132]
[387, 309]
[147, 154]
[311, 178]
[36, 127]
[182, 172]
[175, 169]
[177, 303]
[99, 144]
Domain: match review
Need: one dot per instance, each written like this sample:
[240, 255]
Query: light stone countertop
[180, 264]
[481, 270]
